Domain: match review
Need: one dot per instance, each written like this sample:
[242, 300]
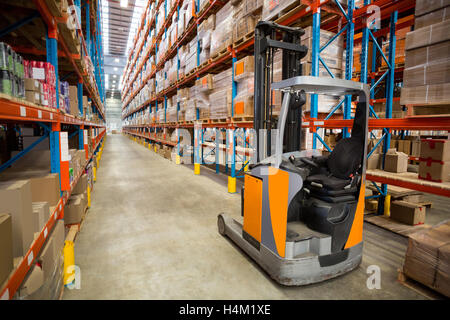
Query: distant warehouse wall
[113, 114]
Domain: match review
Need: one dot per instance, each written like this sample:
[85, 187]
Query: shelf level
[18, 275]
[409, 180]
[21, 110]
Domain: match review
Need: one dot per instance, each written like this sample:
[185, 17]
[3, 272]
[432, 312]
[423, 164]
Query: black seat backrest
[347, 155]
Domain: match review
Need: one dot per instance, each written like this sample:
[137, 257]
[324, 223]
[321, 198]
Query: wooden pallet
[204, 64]
[70, 38]
[397, 192]
[396, 66]
[224, 120]
[219, 54]
[439, 110]
[294, 7]
[394, 226]
[417, 286]
[243, 119]
[205, 5]
[187, 75]
[243, 39]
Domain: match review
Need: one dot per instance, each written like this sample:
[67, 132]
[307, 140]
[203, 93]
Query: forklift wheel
[221, 224]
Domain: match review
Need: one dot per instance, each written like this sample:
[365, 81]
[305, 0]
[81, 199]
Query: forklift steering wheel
[309, 162]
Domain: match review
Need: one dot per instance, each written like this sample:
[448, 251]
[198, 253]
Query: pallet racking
[348, 20]
[55, 123]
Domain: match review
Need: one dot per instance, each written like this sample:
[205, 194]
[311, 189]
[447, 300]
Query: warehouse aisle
[151, 234]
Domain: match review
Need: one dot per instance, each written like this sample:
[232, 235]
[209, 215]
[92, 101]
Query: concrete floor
[151, 233]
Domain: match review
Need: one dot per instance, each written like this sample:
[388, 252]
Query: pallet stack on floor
[427, 258]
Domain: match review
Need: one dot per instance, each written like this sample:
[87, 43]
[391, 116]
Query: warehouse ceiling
[120, 19]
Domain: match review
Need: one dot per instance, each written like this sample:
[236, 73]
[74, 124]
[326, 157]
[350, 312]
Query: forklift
[302, 210]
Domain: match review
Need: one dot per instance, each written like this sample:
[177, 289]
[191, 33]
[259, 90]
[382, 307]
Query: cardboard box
[15, 199]
[58, 236]
[395, 161]
[408, 213]
[371, 205]
[435, 149]
[415, 148]
[428, 257]
[33, 282]
[167, 153]
[205, 82]
[32, 85]
[429, 54]
[6, 247]
[47, 257]
[425, 6]
[432, 18]
[437, 171]
[45, 187]
[404, 146]
[41, 214]
[244, 68]
[373, 162]
[33, 97]
[81, 186]
[430, 73]
[73, 211]
[83, 199]
[428, 35]
[429, 94]
[442, 282]
[243, 107]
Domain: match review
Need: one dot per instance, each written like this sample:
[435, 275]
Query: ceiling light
[115, 76]
[124, 3]
[105, 26]
[115, 69]
[117, 60]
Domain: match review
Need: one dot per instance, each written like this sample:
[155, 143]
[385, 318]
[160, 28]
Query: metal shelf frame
[355, 30]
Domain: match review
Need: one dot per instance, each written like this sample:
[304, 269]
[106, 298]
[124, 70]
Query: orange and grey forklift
[302, 211]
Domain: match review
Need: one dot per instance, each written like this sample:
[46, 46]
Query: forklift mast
[267, 42]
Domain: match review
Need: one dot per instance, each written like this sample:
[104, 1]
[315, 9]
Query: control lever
[309, 162]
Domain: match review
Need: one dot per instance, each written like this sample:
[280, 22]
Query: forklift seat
[338, 171]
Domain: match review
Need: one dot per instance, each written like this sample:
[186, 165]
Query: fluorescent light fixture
[137, 12]
[107, 81]
[105, 26]
[124, 3]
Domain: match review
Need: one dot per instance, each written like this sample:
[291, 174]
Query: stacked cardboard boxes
[221, 95]
[6, 247]
[434, 160]
[222, 35]
[247, 15]
[34, 91]
[427, 258]
[45, 279]
[244, 70]
[427, 66]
